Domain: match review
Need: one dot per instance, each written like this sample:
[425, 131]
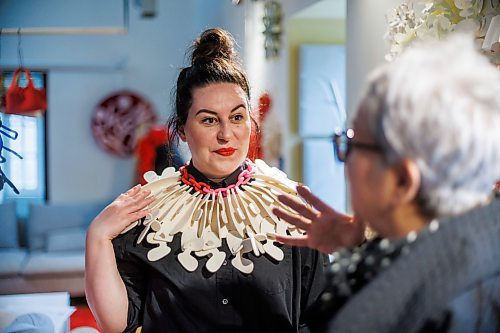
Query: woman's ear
[408, 180]
[181, 133]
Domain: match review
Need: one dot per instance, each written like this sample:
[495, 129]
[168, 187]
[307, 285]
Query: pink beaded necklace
[243, 178]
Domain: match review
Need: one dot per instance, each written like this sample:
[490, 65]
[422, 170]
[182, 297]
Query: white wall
[271, 75]
[366, 47]
[82, 71]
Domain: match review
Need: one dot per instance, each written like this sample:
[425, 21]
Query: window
[321, 110]
[29, 173]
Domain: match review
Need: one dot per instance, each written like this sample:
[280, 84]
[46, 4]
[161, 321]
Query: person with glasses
[421, 158]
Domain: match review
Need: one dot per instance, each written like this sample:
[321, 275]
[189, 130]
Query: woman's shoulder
[266, 172]
[479, 301]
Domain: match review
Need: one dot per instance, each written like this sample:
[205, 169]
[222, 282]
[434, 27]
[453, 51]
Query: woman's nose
[224, 132]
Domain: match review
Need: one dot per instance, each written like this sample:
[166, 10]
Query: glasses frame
[343, 144]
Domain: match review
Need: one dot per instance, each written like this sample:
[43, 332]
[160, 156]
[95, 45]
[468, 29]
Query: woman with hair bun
[194, 249]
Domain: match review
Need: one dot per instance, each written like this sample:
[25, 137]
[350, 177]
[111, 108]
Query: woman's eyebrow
[215, 113]
[238, 106]
[206, 111]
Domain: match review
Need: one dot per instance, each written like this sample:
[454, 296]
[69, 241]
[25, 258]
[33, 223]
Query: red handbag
[26, 101]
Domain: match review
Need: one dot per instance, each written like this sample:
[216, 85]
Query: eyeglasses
[343, 144]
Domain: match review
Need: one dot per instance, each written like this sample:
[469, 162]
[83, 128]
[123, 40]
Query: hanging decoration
[24, 101]
[272, 31]
[272, 26]
[239, 2]
[119, 120]
[11, 134]
[436, 19]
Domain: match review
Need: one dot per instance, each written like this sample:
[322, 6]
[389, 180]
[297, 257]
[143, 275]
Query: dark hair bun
[212, 44]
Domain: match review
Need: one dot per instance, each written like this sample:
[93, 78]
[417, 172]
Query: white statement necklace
[241, 214]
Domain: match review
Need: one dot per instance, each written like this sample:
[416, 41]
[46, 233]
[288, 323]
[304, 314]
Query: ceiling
[324, 9]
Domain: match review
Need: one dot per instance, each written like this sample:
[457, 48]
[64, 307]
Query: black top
[165, 297]
[349, 272]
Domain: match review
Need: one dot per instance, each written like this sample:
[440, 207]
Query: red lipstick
[226, 151]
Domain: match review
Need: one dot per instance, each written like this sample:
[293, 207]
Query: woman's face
[217, 129]
[371, 181]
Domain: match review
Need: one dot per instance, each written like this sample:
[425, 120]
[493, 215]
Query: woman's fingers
[134, 190]
[300, 241]
[140, 201]
[292, 219]
[297, 206]
[144, 204]
[321, 206]
[138, 195]
[138, 215]
[311, 199]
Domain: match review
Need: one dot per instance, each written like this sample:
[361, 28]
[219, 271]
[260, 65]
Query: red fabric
[255, 150]
[82, 317]
[146, 150]
[24, 101]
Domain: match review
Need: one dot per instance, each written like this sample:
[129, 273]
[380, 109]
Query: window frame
[41, 193]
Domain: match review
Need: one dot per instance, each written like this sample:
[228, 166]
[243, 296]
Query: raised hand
[326, 229]
[123, 211]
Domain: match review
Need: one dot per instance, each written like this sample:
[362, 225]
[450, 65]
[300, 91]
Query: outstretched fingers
[311, 199]
[320, 205]
[301, 241]
[296, 220]
[297, 206]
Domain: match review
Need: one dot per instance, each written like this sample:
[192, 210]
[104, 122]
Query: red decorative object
[146, 150]
[82, 317]
[264, 105]
[119, 120]
[28, 101]
[255, 150]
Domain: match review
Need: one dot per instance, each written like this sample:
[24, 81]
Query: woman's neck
[405, 220]
[217, 180]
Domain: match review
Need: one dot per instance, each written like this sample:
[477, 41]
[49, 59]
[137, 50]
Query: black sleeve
[313, 281]
[133, 273]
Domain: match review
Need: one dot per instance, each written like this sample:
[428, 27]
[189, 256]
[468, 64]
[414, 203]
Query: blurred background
[305, 58]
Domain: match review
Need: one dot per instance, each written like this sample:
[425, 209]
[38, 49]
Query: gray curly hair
[439, 104]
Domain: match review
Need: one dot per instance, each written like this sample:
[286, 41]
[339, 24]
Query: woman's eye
[209, 120]
[238, 117]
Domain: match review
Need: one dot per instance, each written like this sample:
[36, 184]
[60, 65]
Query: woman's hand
[105, 290]
[123, 211]
[326, 229]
